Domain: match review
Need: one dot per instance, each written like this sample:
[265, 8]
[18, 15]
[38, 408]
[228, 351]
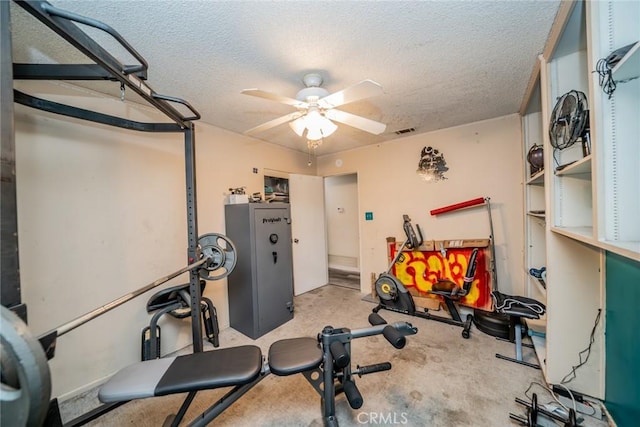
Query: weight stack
[492, 323]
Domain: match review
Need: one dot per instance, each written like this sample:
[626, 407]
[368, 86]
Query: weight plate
[26, 389]
[386, 287]
[221, 254]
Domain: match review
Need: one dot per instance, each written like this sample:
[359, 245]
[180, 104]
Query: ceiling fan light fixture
[314, 134]
[312, 144]
[317, 114]
[298, 126]
[317, 125]
[313, 119]
[328, 127]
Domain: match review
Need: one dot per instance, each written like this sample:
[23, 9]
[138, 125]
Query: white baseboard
[347, 268]
[83, 389]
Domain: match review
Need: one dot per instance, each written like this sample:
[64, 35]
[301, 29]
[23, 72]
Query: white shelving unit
[575, 279]
[615, 25]
[534, 202]
[587, 200]
[534, 188]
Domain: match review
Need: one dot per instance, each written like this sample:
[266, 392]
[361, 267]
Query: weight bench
[324, 361]
[517, 308]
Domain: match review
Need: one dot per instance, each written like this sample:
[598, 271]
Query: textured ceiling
[440, 64]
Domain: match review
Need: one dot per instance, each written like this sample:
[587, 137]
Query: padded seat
[448, 289]
[517, 306]
[191, 372]
[295, 355]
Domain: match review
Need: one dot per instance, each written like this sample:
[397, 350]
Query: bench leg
[517, 338]
[224, 402]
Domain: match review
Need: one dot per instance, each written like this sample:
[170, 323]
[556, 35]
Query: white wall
[483, 160]
[341, 213]
[102, 212]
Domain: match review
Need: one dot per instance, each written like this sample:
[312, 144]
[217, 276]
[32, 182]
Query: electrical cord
[550, 391]
[573, 400]
[572, 375]
[555, 158]
[605, 78]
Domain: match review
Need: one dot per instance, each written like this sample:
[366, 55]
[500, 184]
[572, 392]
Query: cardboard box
[462, 243]
[431, 304]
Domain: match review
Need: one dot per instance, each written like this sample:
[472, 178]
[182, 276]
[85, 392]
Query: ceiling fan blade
[359, 122]
[273, 97]
[364, 89]
[273, 123]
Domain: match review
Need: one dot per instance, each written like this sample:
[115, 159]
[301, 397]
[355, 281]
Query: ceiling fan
[316, 109]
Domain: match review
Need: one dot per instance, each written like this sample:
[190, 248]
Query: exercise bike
[395, 297]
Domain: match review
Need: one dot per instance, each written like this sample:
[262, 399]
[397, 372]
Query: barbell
[26, 380]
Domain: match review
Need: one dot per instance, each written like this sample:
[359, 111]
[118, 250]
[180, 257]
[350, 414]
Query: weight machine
[395, 297]
[133, 77]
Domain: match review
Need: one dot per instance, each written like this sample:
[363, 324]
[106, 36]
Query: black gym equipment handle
[394, 336]
[353, 394]
[376, 319]
[394, 333]
[54, 11]
[340, 354]
[196, 115]
[372, 369]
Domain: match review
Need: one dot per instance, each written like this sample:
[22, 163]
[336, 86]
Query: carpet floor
[438, 379]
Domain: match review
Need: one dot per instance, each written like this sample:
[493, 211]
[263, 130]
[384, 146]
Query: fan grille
[568, 120]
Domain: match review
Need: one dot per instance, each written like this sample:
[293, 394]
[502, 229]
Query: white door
[306, 195]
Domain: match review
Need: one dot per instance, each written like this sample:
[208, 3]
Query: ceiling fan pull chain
[122, 92]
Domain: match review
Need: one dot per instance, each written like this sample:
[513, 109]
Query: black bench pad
[199, 371]
[291, 356]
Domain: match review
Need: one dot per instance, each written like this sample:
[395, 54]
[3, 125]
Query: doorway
[343, 234]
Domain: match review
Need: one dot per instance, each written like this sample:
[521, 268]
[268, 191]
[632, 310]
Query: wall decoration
[432, 165]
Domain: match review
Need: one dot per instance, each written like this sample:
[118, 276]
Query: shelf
[629, 249]
[629, 65]
[580, 168]
[539, 286]
[582, 234]
[537, 178]
[536, 214]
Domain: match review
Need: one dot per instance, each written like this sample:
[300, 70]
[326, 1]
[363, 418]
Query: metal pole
[192, 234]
[493, 245]
[10, 288]
[69, 326]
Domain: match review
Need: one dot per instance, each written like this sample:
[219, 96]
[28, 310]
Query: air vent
[403, 131]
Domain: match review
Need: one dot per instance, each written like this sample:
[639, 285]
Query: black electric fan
[570, 122]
